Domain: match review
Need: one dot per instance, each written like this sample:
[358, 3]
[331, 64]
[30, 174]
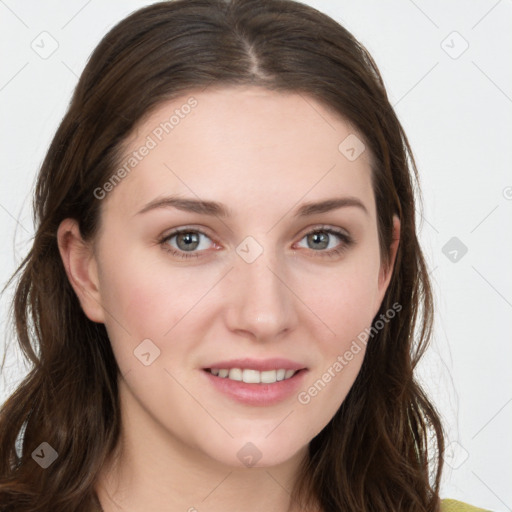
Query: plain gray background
[447, 70]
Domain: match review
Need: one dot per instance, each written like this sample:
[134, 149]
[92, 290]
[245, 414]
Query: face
[256, 276]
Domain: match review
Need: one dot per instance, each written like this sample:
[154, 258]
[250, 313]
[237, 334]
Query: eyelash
[347, 241]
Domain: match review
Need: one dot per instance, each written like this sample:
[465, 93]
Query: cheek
[150, 298]
[344, 299]
[148, 295]
[133, 297]
[345, 302]
[348, 314]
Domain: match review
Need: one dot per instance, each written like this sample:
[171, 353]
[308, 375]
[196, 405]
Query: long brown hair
[382, 450]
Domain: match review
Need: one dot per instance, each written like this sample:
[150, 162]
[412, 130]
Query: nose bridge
[262, 303]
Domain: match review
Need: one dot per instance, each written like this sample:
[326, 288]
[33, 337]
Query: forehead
[243, 142]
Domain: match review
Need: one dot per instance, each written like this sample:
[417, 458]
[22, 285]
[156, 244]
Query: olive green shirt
[459, 506]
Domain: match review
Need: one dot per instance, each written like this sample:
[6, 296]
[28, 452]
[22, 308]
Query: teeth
[235, 374]
[250, 376]
[253, 376]
[268, 377]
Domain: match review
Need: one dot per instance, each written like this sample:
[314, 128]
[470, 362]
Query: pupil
[189, 239]
[317, 238]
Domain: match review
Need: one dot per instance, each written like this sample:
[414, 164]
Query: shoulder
[458, 506]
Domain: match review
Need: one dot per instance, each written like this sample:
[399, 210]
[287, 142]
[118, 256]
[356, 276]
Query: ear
[81, 268]
[386, 270]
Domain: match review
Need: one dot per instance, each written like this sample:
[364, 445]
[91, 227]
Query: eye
[187, 241]
[324, 238]
[190, 243]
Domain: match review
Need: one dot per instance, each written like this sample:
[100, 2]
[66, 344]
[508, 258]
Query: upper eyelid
[176, 231]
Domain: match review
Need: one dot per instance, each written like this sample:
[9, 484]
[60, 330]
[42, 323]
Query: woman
[225, 279]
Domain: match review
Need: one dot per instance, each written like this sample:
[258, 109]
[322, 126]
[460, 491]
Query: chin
[257, 452]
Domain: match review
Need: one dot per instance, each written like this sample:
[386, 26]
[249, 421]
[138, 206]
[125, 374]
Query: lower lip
[257, 394]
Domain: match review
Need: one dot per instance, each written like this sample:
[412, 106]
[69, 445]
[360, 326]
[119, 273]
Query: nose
[260, 301]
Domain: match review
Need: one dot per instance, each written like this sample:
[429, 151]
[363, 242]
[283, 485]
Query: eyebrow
[216, 209]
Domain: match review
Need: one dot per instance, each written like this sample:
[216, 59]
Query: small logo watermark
[146, 352]
[454, 45]
[249, 454]
[45, 45]
[44, 455]
[249, 249]
[352, 147]
[454, 249]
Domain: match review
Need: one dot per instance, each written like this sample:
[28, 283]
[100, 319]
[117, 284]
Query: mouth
[253, 387]
[251, 376]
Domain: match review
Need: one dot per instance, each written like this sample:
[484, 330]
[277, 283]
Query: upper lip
[261, 365]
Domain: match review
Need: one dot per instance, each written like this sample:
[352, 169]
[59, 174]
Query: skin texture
[262, 154]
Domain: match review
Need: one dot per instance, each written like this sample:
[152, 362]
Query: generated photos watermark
[151, 142]
[304, 397]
